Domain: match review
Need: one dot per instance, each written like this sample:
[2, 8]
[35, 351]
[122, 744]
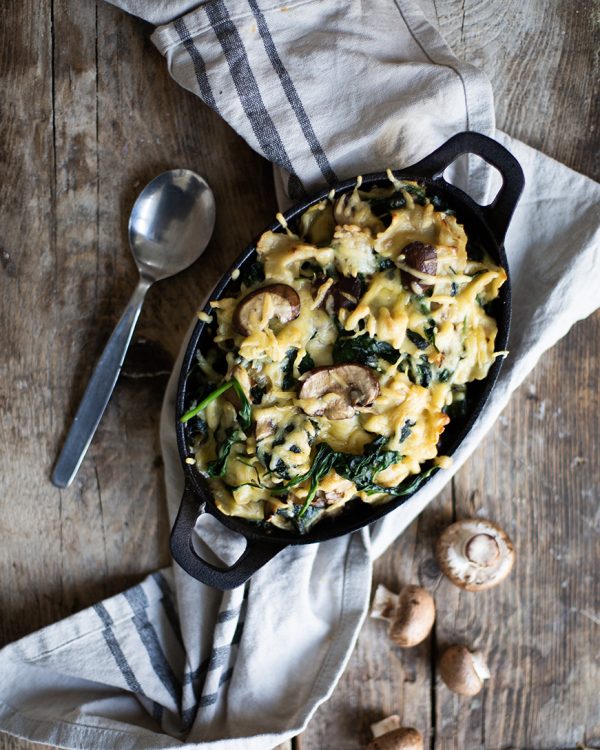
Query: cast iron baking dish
[485, 225]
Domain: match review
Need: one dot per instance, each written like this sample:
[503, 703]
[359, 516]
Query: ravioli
[338, 364]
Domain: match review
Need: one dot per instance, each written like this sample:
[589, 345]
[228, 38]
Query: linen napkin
[324, 90]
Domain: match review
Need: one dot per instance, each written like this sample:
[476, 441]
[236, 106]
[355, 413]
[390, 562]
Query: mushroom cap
[463, 671]
[335, 391]
[344, 293]
[413, 617]
[475, 554]
[284, 305]
[404, 738]
[423, 258]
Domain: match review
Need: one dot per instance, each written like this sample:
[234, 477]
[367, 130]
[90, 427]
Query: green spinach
[362, 469]
[406, 429]
[306, 363]
[245, 410]
[302, 518]
[287, 379]
[217, 467]
[254, 275]
[417, 339]
[363, 349]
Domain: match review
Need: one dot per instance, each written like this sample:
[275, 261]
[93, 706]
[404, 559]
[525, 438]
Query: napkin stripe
[116, 651]
[248, 92]
[225, 676]
[218, 657]
[292, 95]
[138, 602]
[228, 614]
[169, 605]
[198, 63]
[208, 700]
[212, 698]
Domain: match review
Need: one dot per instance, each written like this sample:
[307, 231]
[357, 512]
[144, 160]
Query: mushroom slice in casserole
[344, 355]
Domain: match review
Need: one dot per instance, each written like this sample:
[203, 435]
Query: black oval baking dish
[485, 226]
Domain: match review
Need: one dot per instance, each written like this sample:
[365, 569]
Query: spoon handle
[99, 390]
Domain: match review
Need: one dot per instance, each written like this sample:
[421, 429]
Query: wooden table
[89, 115]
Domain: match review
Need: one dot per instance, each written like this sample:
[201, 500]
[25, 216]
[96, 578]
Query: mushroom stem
[385, 725]
[482, 549]
[475, 554]
[384, 603]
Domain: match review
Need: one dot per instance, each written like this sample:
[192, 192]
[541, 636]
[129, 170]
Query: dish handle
[254, 556]
[499, 213]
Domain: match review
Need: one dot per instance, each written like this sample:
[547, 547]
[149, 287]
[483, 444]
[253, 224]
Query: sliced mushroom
[284, 300]
[345, 294]
[264, 428]
[401, 738]
[463, 671]
[423, 258]
[475, 554]
[336, 390]
[411, 613]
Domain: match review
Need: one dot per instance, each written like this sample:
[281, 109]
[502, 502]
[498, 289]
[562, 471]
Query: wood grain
[90, 116]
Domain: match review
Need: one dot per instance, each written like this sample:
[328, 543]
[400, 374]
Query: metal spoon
[169, 228]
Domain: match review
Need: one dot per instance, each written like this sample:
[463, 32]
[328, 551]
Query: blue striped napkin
[325, 90]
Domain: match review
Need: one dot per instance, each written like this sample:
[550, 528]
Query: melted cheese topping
[423, 335]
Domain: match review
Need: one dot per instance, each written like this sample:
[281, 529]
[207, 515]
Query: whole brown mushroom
[463, 671]
[411, 613]
[389, 735]
[475, 554]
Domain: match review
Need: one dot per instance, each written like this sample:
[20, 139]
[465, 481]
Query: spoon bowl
[170, 226]
[171, 223]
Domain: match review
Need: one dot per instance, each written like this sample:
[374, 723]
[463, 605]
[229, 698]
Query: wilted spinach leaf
[362, 469]
[441, 205]
[412, 484]
[302, 518]
[417, 339]
[384, 206]
[457, 409]
[364, 350]
[217, 467]
[287, 381]
[255, 274]
[423, 372]
[406, 429]
[256, 393]
[306, 363]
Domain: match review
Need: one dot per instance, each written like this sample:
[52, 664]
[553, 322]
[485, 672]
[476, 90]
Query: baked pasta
[338, 364]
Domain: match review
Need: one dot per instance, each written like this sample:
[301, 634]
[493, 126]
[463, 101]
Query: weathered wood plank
[27, 200]
[29, 565]
[542, 627]
[381, 678]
